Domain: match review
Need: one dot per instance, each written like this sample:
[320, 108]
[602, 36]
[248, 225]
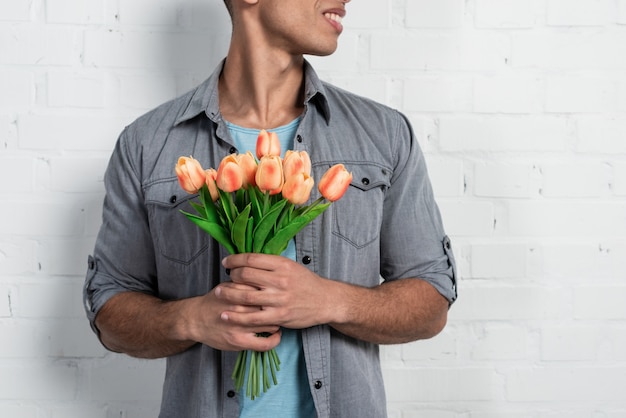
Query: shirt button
[365, 181]
[306, 260]
[232, 150]
[230, 393]
[173, 199]
[317, 384]
[299, 138]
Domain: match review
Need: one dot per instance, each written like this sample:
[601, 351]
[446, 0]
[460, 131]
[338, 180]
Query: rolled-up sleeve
[413, 241]
[123, 258]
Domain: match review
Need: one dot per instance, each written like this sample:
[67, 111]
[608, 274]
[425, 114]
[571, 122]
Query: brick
[501, 342]
[580, 94]
[566, 219]
[508, 95]
[21, 411]
[570, 343]
[503, 14]
[65, 257]
[8, 132]
[506, 303]
[38, 382]
[503, 180]
[18, 257]
[499, 260]
[31, 44]
[429, 51]
[439, 384]
[75, 11]
[601, 134]
[22, 339]
[21, 171]
[438, 94]
[446, 176]
[619, 179]
[575, 180]
[15, 11]
[77, 175]
[146, 92]
[29, 222]
[17, 89]
[92, 132]
[5, 302]
[368, 14]
[578, 13]
[621, 12]
[463, 218]
[551, 384]
[148, 12]
[78, 411]
[73, 339]
[50, 300]
[568, 50]
[604, 260]
[127, 380]
[84, 90]
[442, 14]
[503, 133]
[599, 302]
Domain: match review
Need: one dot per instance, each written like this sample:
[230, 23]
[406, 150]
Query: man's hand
[293, 297]
[144, 326]
[288, 294]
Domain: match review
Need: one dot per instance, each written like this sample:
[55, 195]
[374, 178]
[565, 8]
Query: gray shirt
[386, 227]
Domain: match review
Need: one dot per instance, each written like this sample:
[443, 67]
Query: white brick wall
[519, 105]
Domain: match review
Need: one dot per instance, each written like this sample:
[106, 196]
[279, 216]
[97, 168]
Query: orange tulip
[211, 176]
[335, 182]
[296, 162]
[269, 174]
[190, 174]
[297, 188]
[229, 174]
[267, 143]
[248, 166]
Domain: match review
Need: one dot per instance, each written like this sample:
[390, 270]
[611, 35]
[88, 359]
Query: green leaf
[280, 240]
[266, 225]
[198, 208]
[238, 230]
[230, 211]
[210, 208]
[217, 231]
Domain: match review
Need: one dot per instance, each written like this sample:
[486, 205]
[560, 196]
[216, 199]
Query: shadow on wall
[191, 49]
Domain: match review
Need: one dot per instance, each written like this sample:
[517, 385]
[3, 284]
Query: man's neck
[260, 88]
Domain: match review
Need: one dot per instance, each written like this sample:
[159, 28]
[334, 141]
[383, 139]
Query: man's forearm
[141, 325]
[392, 313]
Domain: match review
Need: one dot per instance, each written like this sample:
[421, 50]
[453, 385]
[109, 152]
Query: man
[159, 287]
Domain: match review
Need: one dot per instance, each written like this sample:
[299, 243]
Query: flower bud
[297, 188]
[269, 174]
[296, 162]
[267, 143]
[248, 167]
[229, 174]
[211, 176]
[190, 173]
[335, 182]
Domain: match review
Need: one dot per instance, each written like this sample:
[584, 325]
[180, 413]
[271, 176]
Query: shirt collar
[205, 97]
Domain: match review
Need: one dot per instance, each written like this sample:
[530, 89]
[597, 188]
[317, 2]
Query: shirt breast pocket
[358, 214]
[176, 237]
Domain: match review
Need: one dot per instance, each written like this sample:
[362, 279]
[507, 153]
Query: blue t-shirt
[292, 397]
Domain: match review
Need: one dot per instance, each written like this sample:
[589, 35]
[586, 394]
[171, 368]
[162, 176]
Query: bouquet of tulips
[257, 205]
